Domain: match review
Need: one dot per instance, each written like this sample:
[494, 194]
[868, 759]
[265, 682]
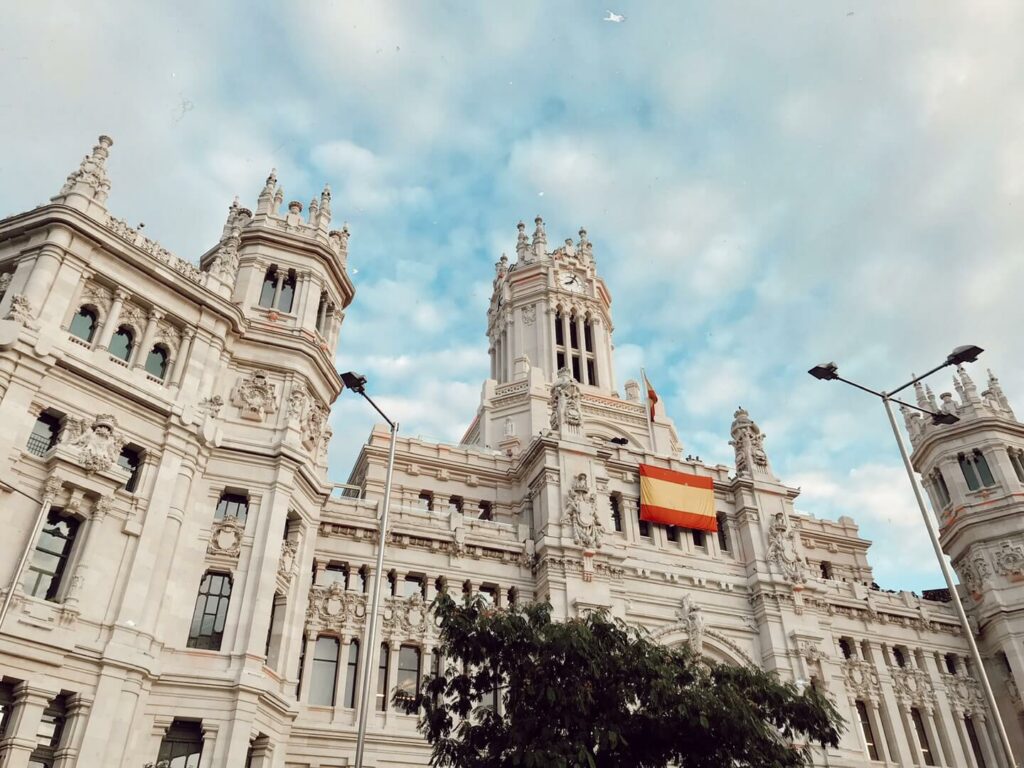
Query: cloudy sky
[767, 185]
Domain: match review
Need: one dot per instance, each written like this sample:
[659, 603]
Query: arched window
[382, 677]
[723, 534]
[983, 470]
[122, 343]
[407, 681]
[559, 340]
[269, 288]
[45, 433]
[351, 674]
[287, 296]
[83, 324]
[324, 677]
[210, 615]
[156, 361]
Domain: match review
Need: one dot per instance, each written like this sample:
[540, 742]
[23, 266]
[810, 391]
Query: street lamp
[357, 383]
[965, 354]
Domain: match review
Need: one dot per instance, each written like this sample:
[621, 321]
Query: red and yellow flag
[652, 396]
[676, 498]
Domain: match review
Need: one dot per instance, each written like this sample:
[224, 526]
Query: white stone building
[182, 581]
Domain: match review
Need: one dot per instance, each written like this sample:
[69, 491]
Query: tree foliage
[596, 692]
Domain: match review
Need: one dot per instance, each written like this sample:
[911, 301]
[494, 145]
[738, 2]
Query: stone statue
[748, 442]
[693, 615]
[782, 550]
[581, 510]
[99, 444]
[565, 401]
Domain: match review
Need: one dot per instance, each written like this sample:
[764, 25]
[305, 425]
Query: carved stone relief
[99, 443]
[565, 402]
[913, 686]
[692, 615]
[335, 609]
[407, 618]
[226, 537]
[255, 395]
[782, 550]
[1009, 559]
[861, 678]
[581, 511]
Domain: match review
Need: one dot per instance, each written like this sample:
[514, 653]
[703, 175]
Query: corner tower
[973, 471]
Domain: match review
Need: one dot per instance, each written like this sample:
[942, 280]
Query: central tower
[549, 310]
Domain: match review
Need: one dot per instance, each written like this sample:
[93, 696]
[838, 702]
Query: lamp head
[825, 371]
[968, 353]
[354, 381]
[944, 418]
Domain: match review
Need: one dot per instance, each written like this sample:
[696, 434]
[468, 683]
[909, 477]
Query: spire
[584, 247]
[229, 223]
[339, 242]
[959, 389]
[540, 238]
[970, 391]
[932, 404]
[922, 401]
[522, 243]
[90, 179]
[501, 266]
[264, 201]
[325, 207]
[278, 199]
[313, 216]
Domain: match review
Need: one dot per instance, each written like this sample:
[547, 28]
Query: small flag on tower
[652, 396]
[677, 498]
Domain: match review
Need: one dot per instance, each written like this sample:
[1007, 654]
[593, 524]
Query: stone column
[113, 318]
[341, 678]
[262, 754]
[877, 729]
[981, 728]
[567, 340]
[181, 361]
[307, 665]
[44, 271]
[964, 740]
[29, 703]
[584, 378]
[142, 350]
[896, 731]
[76, 713]
[935, 740]
[209, 744]
[277, 288]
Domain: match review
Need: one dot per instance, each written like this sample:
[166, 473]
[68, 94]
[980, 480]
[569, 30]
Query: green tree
[596, 692]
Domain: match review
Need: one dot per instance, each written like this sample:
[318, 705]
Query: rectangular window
[616, 502]
[207, 629]
[48, 735]
[561, 360]
[559, 333]
[969, 474]
[408, 678]
[972, 736]
[45, 433]
[182, 746]
[45, 571]
[131, 460]
[323, 679]
[671, 533]
[351, 674]
[414, 585]
[489, 593]
[643, 526]
[6, 706]
[591, 372]
[588, 337]
[922, 736]
[232, 505]
[574, 337]
[336, 573]
[723, 534]
[869, 734]
[455, 504]
[576, 368]
[427, 500]
[698, 539]
[382, 677]
[486, 511]
[983, 471]
[941, 488]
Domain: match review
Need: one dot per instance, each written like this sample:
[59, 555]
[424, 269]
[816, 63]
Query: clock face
[572, 283]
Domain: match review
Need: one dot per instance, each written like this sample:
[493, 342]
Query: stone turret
[87, 187]
[748, 442]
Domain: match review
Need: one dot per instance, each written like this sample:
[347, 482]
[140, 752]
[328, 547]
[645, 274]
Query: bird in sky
[616, 17]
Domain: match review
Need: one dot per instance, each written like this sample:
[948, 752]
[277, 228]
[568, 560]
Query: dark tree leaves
[595, 692]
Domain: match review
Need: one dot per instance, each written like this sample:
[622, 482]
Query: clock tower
[550, 312]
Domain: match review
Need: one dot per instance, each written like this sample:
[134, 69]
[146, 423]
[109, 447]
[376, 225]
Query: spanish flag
[652, 396]
[676, 498]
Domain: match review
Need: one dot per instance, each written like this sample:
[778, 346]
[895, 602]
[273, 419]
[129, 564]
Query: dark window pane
[269, 286]
[44, 434]
[559, 333]
[131, 459]
[698, 539]
[671, 533]
[122, 342]
[588, 336]
[284, 301]
[182, 747]
[982, 464]
[591, 372]
[156, 362]
[83, 324]
[969, 475]
[616, 511]
[723, 536]
[232, 505]
[49, 559]
[408, 678]
[208, 619]
[576, 368]
[382, 677]
[869, 736]
[351, 674]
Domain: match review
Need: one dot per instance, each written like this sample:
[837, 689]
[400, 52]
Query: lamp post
[357, 383]
[964, 354]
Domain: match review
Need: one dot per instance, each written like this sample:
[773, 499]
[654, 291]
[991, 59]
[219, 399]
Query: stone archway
[714, 646]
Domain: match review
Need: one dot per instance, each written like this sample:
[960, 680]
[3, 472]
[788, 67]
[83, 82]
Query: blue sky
[767, 185]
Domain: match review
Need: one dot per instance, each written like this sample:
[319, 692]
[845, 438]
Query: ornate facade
[183, 583]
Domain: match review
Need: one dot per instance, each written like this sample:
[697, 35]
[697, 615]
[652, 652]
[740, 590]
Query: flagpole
[647, 408]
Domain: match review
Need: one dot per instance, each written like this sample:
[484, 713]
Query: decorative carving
[52, 488]
[92, 172]
[121, 228]
[782, 550]
[211, 406]
[255, 395]
[692, 616]
[98, 297]
[913, 686]
[529, 314]
[964, 694]
[1009, 559]
[748, 441]
[565, 402]
[99, 444]
[102, 507]
[333, 608]
[633, 391]
[861, 678]
[310, 414]
[581, 510]
[407, 618]
[288, 564]
[21, 311]
[974, 572]
[226, 537]
[5, 282]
